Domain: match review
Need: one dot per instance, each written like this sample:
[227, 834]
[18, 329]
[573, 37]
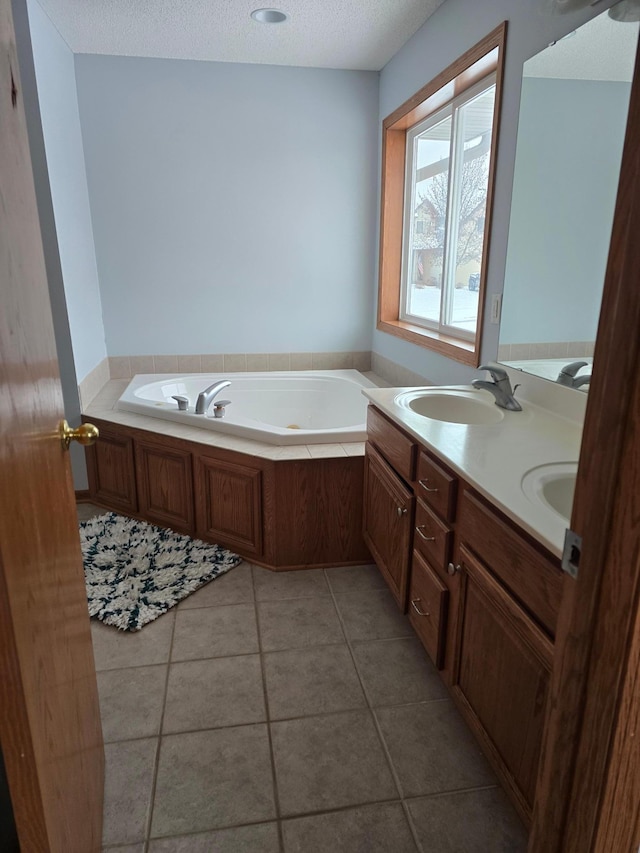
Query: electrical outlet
[496, 307]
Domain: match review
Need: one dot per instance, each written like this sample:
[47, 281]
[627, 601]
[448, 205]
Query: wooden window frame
[471, 67]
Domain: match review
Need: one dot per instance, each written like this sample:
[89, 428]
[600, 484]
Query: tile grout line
[387, 755]
[156, 768]
[276, 719]
[274, 780]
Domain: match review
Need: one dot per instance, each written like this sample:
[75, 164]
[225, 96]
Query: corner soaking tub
[305, 407]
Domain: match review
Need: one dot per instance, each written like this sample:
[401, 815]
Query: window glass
[446, 185]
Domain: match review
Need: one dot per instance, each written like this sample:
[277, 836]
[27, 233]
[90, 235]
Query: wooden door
[387, 524]
[49, 718]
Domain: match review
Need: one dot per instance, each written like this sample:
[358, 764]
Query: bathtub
[305, 407]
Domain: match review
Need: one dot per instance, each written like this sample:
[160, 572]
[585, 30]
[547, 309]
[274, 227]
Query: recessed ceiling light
[268, 16]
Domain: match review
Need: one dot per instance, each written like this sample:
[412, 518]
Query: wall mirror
[573, 116]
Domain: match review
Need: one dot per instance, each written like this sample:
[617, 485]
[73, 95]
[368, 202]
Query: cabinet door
[111, 471]
[388, 520]
[229, 504]
[165, 486]
[501, 677]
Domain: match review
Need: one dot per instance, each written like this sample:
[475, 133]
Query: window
[438, 153]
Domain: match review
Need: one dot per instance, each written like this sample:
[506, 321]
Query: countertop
[494, 458]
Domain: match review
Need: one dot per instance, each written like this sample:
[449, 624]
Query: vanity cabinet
[482, 596]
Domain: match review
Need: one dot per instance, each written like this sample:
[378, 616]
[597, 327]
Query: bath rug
[135, 571]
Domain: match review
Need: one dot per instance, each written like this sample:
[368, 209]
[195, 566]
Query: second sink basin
[453, 406]
[553, 486]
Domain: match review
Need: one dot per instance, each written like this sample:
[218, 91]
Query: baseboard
[82, 496]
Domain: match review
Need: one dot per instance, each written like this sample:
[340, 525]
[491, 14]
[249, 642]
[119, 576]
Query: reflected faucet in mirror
[567, 375]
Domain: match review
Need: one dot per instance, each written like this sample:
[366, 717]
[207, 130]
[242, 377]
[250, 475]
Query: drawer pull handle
[402, 510]
[452, 570]
[419, 530]
[423, 483]
[414, 604]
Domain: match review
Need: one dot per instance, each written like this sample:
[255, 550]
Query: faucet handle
[219, 407]
[497, 373]
[183, 402]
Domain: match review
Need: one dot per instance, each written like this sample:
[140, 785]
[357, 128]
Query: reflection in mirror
[573, 115]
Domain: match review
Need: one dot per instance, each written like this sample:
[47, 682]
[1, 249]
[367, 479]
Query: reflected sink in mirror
[452, 406]
[553, 486]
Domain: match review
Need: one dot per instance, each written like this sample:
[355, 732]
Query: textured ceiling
[601, 49]
[353, 34]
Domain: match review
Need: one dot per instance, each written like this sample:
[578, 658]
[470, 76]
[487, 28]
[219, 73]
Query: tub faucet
[500, 387]
[567, 375]
[205, 398]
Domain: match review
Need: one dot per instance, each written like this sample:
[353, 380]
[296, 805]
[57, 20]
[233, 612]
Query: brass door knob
[85, 434]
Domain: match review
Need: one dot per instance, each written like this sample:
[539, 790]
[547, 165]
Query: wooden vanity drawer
[431, 537]
[533, 578]
[436, 486]
[428, 606]
[396, 447]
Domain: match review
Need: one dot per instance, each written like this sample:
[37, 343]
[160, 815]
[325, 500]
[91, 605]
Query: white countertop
[494, 458]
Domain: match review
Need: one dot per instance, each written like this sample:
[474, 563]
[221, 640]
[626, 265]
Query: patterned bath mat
[136, 571]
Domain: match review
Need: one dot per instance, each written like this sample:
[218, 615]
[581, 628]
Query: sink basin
[453, 406]
[553, 486]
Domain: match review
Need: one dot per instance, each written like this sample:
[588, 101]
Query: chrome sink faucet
[205, 398]
[567, 375]
[500, 387]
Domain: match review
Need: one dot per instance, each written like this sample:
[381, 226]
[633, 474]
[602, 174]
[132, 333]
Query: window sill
[463, 351]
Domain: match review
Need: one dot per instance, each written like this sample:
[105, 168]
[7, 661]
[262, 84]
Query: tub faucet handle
[183, 402]
[219, 407]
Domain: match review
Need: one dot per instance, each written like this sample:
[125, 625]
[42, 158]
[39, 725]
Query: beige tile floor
[291, 712]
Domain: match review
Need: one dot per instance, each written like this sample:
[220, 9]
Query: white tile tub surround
[93, 383]
[557, 349]
[128, 366]
[395, 374]
[279, 407]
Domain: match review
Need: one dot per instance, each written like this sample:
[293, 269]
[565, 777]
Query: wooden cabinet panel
[319, 512]
[394, 445]
[428, 604]
[432, 537]
[523, 569]
[436, 486]
[111, 471]
[388, 519]
[165, 486]
[501, 678]
[229, 504]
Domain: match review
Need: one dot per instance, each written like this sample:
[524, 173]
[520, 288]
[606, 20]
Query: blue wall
[233, 205]
[55, 77]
